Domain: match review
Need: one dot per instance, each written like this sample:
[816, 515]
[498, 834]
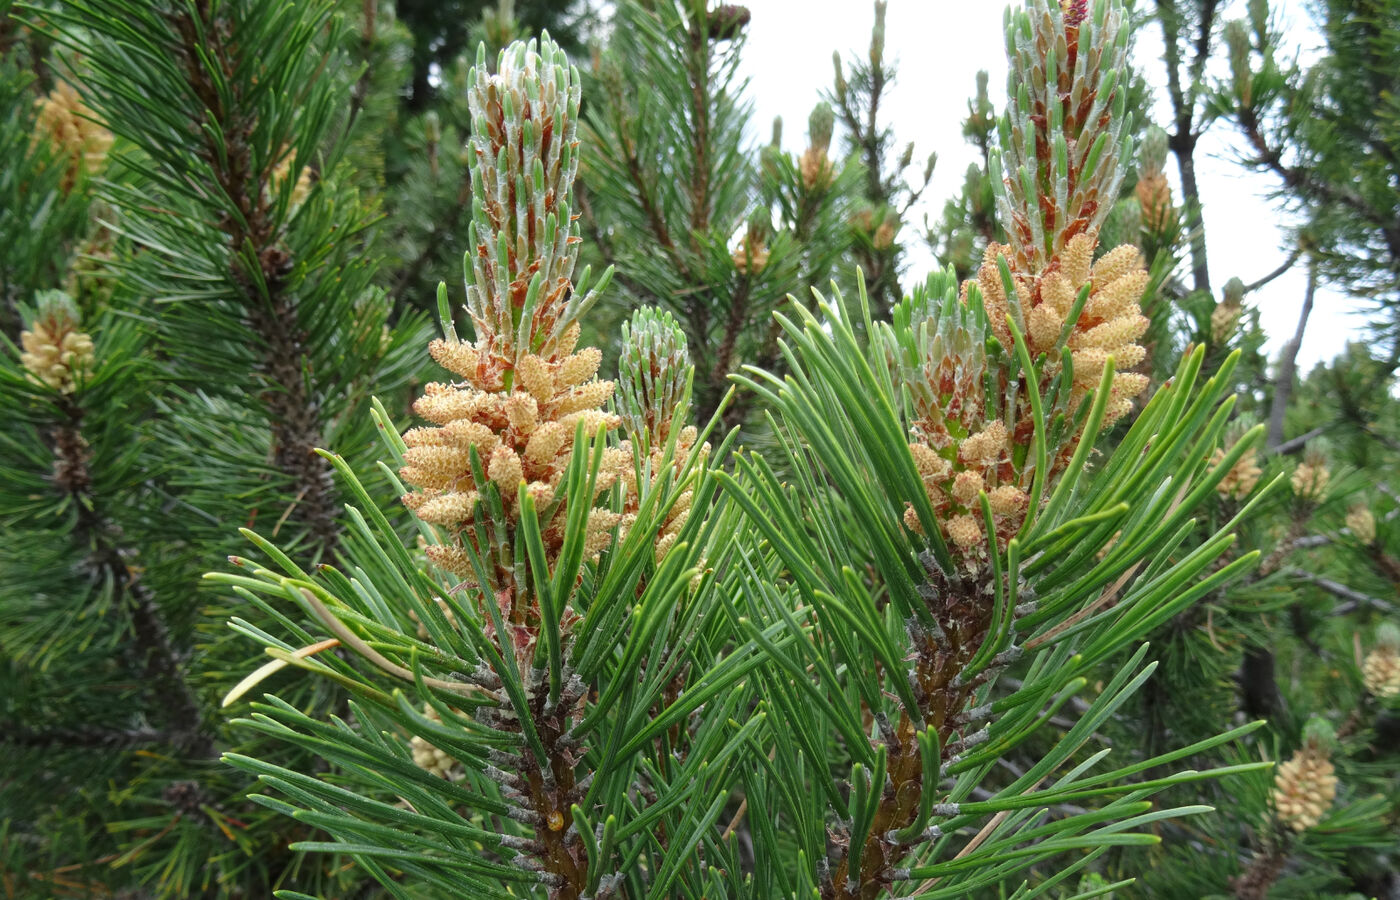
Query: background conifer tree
[715, 231]
[238, 331]
[861, 84]
[1291, 642]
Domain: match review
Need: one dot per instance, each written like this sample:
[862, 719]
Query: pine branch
[293, 413]
[107, 562]
[652, 211]
[1352, 412]
[1312, 541]
[699, 70]
[270, 304]
[964, 622]
[1202, 41]
[1287, 264]
[1258, 680]
[1297, 444]
[1265, 869]
[1355, 599]
[1388, 565]
[858, 104]
[1308, 183]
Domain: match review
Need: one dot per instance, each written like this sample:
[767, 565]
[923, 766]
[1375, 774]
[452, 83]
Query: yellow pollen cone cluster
[428, 757]
[1223, 320]
[964, 532]
[1240, 481]
[1381, 672]
[1310, 480]
[282, 171]
[1304, 788]
[816, 168]
[1155, 198]
[520, 436]
[1362, 523]
[883, 239]
[954, 489]
[1109, 325]
[751, 256]
[55, 351]
[70, 127]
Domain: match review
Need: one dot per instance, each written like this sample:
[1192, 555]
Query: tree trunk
[1191, 195]
[1288, 365]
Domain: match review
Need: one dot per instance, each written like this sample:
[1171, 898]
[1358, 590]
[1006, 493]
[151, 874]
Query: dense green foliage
[729, 556]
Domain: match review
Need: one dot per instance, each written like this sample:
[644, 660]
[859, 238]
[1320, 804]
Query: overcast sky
[938, 46]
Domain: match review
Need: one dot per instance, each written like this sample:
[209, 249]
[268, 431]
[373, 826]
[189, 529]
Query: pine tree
[603, 649]
[693, 219]
[547, 681]
[1189, 35]
[50, 153]
[1326, 134]
[984, 599]
[888, 197]
[969, 220]
[237, 330]
[1285, 642]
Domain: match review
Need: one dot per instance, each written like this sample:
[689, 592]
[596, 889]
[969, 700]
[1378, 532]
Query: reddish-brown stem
[965, 617]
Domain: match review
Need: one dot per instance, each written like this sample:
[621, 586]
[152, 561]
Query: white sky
[939, 45]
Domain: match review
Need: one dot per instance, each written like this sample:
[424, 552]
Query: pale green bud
[1259, 18]
[877, 36]
[1320, 733]
[820, 125]
[1237, 40]
[654, 372]
[1152, 157]
[1234, 292]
